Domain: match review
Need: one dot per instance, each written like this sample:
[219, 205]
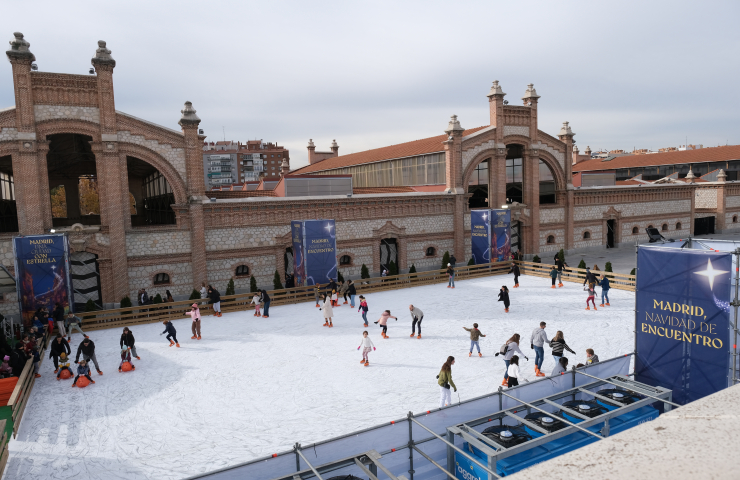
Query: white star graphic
[328, 227]
[710, 273]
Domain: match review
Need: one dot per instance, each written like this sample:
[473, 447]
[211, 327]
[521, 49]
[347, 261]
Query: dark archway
[514, 182]
[478, 185]
[388, 253]
[8, 210]
[152, 194]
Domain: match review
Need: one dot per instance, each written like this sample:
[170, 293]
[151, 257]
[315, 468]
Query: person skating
[560, 367]
[383, 322]
[343, 289]
[265, 299]
[58, 316]
[553, 275]
[171, 332]
[352, 292]
[475, 335]
[605, 287]
[444, 380]
[203, 291]
[537, 343]
[591, 357]
[590, 277]
[36, 360]
[453, 260]
[416, 317]
[82, 371]
[58, 346]
[560, 265]
[73, 323]
[332, 285]
[363, 308]
[64, 365]
[328, 311]
[591, 296]
[87, 349]
[194, 313]
[257, 301]
[317, 294]
[126, 357]
[503, 296]
[451, 275]
[515, 271]
[214, 298]
[558, 345]
[334, 298]
[366, 345]
[128, 340]
[508, 350]
[513, 372]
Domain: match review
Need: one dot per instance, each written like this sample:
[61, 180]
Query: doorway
[611, 227]
[289, 268]
[388, 253]
[704, 226]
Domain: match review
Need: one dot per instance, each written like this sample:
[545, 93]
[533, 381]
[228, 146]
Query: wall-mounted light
[91, 71]
[504, 206]
[52, 231]
[200, 131]
[34, 67]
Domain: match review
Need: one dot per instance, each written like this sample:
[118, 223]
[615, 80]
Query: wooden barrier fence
[619, 281]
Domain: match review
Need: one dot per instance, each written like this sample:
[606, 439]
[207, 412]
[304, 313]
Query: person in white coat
[512, 348]
[366, 345]
[513, 371]
[328, 311]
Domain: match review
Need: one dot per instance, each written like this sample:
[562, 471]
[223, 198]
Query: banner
[319, 251]
[683, 321]
[480, 236]
[299, 265]
[42, 273]
[501, 235]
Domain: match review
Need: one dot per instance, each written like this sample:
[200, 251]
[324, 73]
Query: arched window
[635, 230]
[664, 227]
[161, 279]
[678, 226]
[734, 219]
[514, 154]
[586, 235]
[550, 239]
[650, 226]
[242, 271]
[345, 260]
[431, 251]
[547, 184]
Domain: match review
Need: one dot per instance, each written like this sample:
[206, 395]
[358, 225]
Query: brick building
[409, 203]
[246, 162]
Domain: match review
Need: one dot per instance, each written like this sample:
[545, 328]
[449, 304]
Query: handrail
[24, 386]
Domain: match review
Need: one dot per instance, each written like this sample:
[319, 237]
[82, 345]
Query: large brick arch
[80, 127]
[157, 161]
[555, 168]
[484, 155]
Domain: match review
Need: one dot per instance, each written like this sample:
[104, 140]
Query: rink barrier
[4, 453]
[397, 441]
[138, 315]
[619, 281]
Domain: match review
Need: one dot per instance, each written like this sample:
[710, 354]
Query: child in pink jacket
[383, 320]
[195, 315]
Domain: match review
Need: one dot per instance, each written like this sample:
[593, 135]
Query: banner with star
[319, 251]
[480, 236]
[683, 320]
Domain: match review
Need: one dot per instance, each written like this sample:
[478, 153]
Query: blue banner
[501, 235]
[683, 321]
[320, 251]
[480, 236]
[299, 264]
[42, 273]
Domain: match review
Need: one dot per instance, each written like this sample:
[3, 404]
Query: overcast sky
[643, 74]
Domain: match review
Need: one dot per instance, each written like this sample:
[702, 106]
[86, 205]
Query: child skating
[257, 301]
[383, 321]
[366, 345]
[591, 296]
[126, 357]
[83, 371]
[513, 372]
[64, 365]
[605, 287]
[516, 272]
[363, 308]
[171, 332]
[334, 298]
[503, 296]
[553, 276]
[328, 311]
[475, 335]
[194, 313]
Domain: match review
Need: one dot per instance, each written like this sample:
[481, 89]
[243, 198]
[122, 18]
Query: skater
[352, 292]
[416, 317]
[453, 260]
[503, 296]
[265, 299]
[82, 371]
[87, 349]
[366, 345]
[64, 366]
[445, 381]
[553, 275]
[590, 277]
[604, 284]
[334, 298]
[215, 300]
[203, 291]
[537, 342]
[591, 357]
[560, 265]
[194, 313]
[475, 335]
[383, 322]
[317, 294]
[561, 367]
[169, 329]
[257, 301]
[451, 274]
[591, 296]
[58, 346]
[58, 315]
[126, 357]
[515, 271]
[127, 339]
[332, 285]
[508, 350]
[513, 372]
[343, 290]
[168, 297]
[328, 311]
[73, 323]
[36, 360]
[363, 308]
[558, 345]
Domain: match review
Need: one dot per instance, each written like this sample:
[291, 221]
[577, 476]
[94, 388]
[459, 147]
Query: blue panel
[501, 234]
[320, 250]
[480, 236]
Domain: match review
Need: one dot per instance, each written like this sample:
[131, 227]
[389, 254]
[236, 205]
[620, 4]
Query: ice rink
[255, 386]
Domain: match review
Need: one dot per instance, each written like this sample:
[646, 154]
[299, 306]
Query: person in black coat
[515, 271]
[214, 298]
[58, 346]
[265, 299]
[332, 287]
[18, 359]
[169, 329]
[352, 292]
[87, 349]
[503, 296]
[590, 277]
[58, 316]
[453, 260]
[127, 338]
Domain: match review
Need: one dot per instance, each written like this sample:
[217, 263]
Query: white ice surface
[253, 387]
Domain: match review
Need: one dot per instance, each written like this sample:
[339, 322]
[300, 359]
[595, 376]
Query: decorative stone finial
[19, 49]
[102, 56]
[188, 115]
[587, 151]
[310, 143]
[454, 125]
[690, 176]
[334, 144]
[495, 89]
[530, 93]
[575, 149]
[721, 176]
[565, 130]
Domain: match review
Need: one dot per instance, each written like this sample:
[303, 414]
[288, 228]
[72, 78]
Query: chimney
[334, 148]
[311, 152]
[284, 167]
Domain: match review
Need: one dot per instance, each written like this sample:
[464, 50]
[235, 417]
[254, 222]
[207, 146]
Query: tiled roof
[408, 149]
[702, 155]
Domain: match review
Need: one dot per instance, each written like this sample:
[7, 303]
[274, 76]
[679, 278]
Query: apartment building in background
[228, 162]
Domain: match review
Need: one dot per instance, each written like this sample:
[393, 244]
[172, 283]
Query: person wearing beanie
[194, 313]
[451, 274]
